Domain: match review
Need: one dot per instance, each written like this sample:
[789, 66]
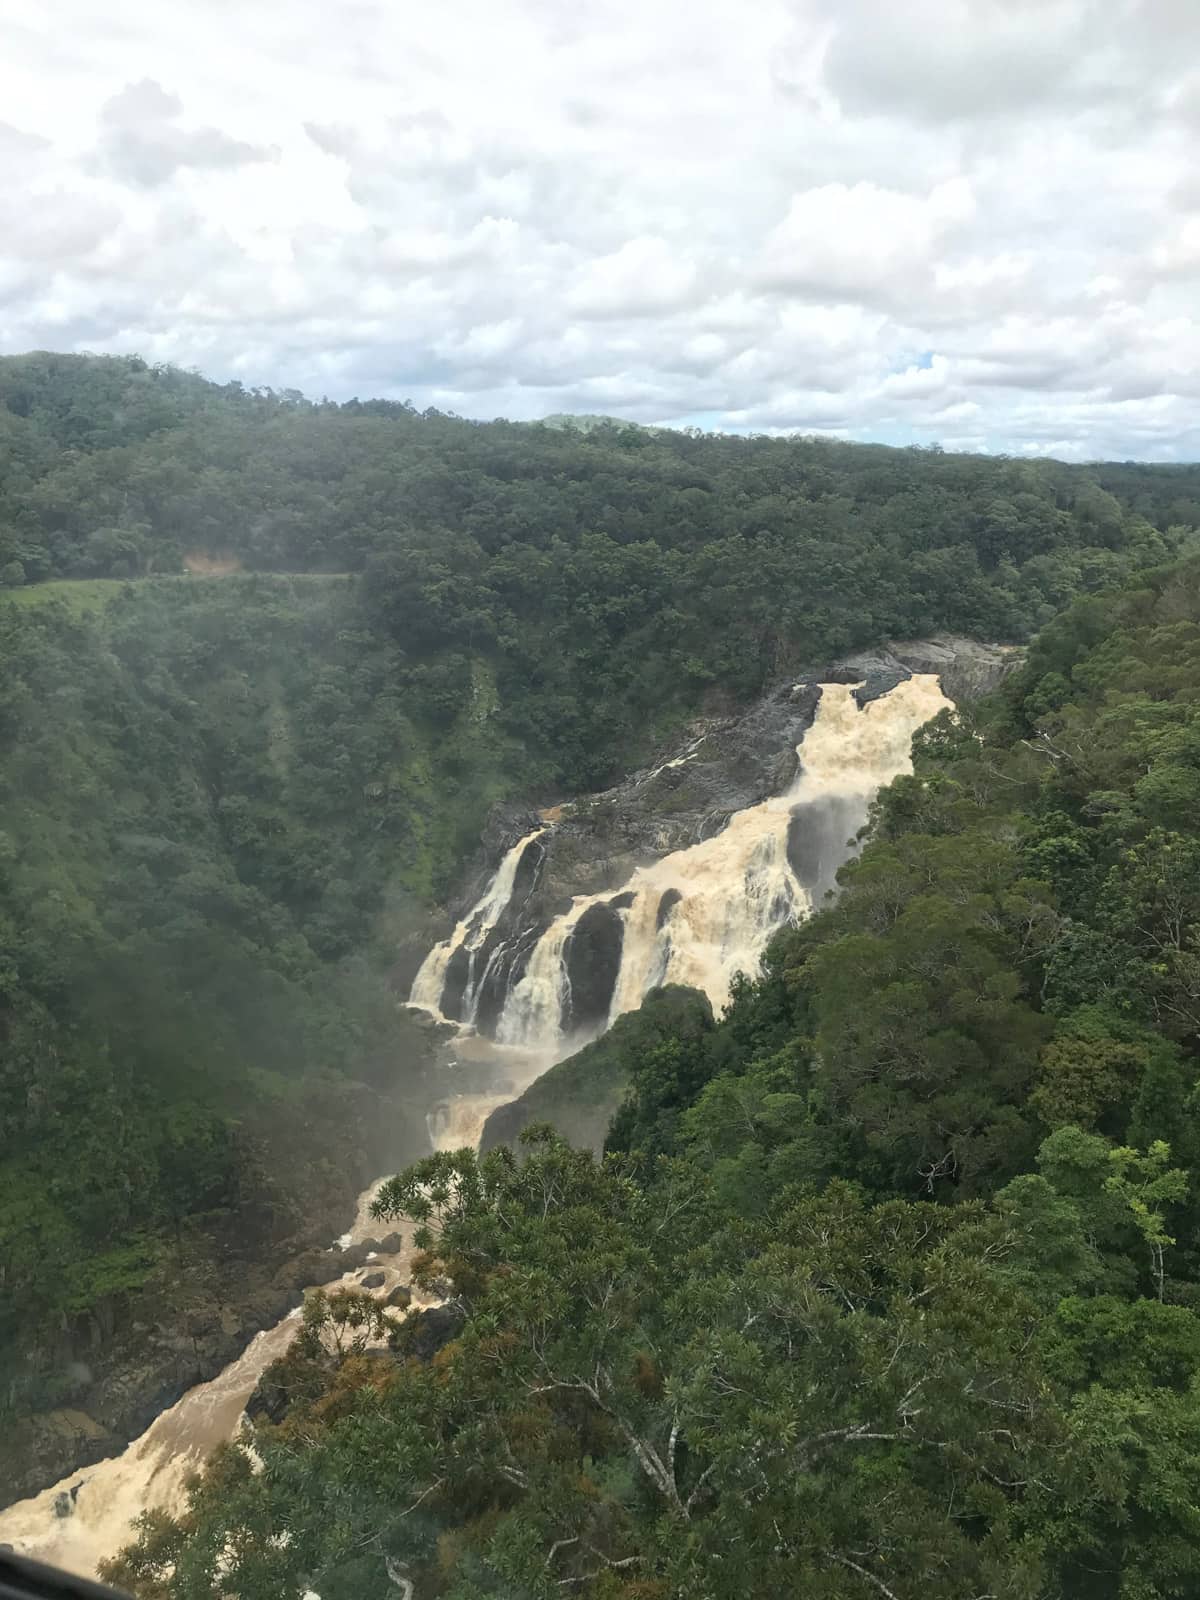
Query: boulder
[421, 1337]
[593, 957]
[373, 1280]
[271, 1399]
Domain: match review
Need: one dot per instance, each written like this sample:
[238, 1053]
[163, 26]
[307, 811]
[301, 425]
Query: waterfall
[471, 938]
[534, 1008]
[704, 914]
[699, 916]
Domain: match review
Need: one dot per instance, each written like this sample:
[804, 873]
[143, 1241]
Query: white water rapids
[153, 1470]
[726, 896]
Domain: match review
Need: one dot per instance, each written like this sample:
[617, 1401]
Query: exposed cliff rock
[719, 766]
[966, 668]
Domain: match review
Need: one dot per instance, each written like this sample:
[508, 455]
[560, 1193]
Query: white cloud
[843, 242]
[643, 277]
[143, 141]
[966, 220]
[950, 60]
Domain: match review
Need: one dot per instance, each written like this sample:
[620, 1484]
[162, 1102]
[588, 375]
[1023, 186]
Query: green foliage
[643, 1386]
[971, 1371]
[888, 1281]
[609, 575]
[217, 797]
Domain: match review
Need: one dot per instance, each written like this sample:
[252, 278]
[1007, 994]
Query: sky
[966, 222]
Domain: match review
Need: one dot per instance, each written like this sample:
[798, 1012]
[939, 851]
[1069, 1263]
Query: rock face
[592, 965]
[966, 668]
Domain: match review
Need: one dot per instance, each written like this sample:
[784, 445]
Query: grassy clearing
[80, 595]
[84, 595]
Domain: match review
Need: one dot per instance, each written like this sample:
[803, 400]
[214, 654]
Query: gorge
[544, 960]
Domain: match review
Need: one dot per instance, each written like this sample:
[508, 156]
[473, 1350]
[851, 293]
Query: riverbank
[87, 1515]
[223, 1282]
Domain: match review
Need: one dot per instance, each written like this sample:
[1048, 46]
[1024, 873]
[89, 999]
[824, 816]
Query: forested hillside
[888, 1284]
[225, 801]
[611, 576]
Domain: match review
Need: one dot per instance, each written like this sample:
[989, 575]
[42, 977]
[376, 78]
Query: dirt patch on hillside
[207, 565]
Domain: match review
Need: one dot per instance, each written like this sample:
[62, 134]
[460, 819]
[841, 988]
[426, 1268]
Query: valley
[724, 911]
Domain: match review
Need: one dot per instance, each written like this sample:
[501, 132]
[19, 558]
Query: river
[698, 916]
[152, 1471]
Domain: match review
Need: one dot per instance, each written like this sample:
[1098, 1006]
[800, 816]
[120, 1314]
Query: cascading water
[471, 939]
[702, 915]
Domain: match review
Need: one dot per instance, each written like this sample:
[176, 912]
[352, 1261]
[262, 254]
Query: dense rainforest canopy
[888, 1282]
[609, 576]
[224, 800]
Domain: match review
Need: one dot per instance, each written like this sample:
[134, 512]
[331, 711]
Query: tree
[640, 1388]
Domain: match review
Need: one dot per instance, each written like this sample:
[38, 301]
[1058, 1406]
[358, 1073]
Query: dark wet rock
[63, 1506]
[593, 959]
[338, 1261]
[966, 668]
[528, 871]
[720, 767]
[878, 684]
[458, 971]
[310, 1267]
[670, 899]
[420, 1337]
[373, 1280]
[820, 840]
[400, 1296]
[876, 672]
[391, 1244]
[503, 972]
